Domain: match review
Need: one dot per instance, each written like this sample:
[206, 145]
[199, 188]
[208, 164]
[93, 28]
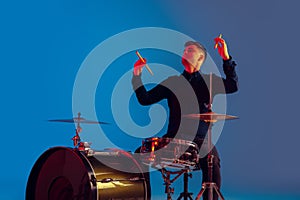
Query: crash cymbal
[78, 119]
[210, 116]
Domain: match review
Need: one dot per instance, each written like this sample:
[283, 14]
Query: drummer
[189, 93]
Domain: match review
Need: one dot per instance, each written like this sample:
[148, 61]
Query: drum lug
[93, 180]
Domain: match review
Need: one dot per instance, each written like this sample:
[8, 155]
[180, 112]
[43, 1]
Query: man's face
[191, 54]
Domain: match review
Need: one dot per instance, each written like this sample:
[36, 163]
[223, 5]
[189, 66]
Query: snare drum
[66, 174]
[168, 152]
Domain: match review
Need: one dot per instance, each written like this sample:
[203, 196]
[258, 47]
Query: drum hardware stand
[185, 194]
[76, 139]
[210, 185]
[168, 181]
[81, 146]
[211, 118]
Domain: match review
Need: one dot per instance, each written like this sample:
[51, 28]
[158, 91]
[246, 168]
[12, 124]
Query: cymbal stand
[76, 138]
[210, 185]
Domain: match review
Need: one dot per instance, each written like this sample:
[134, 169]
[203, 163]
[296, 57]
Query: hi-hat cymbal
[210, 116]
[77, 120]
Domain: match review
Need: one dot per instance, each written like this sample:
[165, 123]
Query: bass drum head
[63, 173]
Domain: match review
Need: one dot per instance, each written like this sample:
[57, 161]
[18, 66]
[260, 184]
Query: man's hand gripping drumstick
[138, 65]
[222, 47]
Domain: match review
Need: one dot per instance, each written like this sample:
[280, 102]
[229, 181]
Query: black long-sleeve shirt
[187, 94]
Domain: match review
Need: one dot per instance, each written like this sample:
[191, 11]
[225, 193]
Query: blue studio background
[43, 44]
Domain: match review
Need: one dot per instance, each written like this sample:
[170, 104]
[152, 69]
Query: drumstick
[216, 45]
[148, 68]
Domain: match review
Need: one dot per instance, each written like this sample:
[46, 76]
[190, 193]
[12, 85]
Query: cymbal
[210, 116]
[77, 120]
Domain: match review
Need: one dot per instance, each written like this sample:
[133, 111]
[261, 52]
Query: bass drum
[63, 173]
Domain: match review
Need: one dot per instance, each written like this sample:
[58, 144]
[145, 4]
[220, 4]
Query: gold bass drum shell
[63, 173]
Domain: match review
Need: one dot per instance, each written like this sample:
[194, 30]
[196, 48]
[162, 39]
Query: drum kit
[64, 173]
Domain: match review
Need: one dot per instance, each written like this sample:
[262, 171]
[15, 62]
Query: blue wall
[43, 45]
